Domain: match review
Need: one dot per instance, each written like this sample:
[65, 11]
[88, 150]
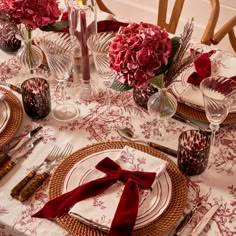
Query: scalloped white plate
[150, 208]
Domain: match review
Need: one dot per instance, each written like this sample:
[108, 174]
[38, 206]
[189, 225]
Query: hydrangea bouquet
[33, 14]
[144, 53]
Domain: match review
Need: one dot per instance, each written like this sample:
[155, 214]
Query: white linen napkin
[99, 210]
[221, 64]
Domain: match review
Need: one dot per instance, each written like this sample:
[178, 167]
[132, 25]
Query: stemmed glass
[98, 44]
[59, 50]
[217, 93]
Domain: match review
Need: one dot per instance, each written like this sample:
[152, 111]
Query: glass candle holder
[193, 152]
[83, 23]
[36, 97]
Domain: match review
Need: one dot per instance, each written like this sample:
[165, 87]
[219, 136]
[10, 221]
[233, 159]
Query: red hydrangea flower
[32, 13]
[138, 52]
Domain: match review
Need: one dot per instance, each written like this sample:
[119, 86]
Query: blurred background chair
[227, 28]
[214, 36]
[211, 24]
[161, 14]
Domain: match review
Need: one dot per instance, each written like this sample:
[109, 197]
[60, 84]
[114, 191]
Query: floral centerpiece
[144, 53]
[33, 14]
[28, 15]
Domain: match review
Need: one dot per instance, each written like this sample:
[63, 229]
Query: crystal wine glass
[98, 44]
[217, 95]
[59, 50]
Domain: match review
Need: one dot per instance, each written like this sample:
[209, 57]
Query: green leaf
[56, 26]
[120, 87]
[157, 81]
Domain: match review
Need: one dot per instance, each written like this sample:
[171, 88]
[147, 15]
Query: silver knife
[186, 219]
[11, 86]
[26, 138]
[12, 162]
[204, 221]
[185, 120]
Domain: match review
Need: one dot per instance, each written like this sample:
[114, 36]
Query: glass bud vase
[29, 56]
[162, 105]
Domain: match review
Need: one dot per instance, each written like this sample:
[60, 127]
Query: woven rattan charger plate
[158, 227]
[194, 114]
[15, 120]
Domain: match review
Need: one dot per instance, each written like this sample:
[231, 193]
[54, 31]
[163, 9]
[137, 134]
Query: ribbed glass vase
[29, 55]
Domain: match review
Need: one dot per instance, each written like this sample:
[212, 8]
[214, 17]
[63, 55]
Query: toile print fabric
[215, 186]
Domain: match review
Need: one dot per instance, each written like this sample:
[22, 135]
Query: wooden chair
[227, 28]
[211, 36]
[162, 14]
[210, 28]
[174, 18]
[103, 7]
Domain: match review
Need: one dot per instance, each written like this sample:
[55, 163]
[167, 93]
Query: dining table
[92, 132]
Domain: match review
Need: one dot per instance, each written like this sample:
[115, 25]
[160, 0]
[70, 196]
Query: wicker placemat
[158, 227]
[16, 117]
[194, 114]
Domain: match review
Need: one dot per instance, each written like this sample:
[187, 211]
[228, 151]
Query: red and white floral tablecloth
[216, 185]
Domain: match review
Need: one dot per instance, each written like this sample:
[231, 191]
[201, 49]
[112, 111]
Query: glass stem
[107, 100]
[30, 49]
[62, 88]
[214, 128]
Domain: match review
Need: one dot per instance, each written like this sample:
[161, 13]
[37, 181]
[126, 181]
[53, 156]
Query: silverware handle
[6, 168]
[34, 184]
[15, 88]
[17, 189]
[4, 159]
[166, 150]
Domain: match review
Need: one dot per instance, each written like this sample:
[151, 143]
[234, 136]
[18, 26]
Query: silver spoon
[129, 135]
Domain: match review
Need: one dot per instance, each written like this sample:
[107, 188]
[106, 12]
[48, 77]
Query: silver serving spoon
[128, 134]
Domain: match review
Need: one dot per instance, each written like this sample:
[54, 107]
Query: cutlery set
[36, 177]
[182, 225]
[24, 147]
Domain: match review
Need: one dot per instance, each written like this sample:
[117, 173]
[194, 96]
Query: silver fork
[49, 159]
[38, 179]
[66, 152]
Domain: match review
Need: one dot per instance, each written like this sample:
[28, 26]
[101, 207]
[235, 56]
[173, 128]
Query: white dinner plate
[152, 205]
[5, 113]
[222, 63]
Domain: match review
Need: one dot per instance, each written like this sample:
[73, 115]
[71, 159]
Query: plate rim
[7, 115]
[160, 226]
[16, 117]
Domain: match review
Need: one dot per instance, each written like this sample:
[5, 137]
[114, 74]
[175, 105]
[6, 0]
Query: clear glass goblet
[58, 51]
[217, 96]
[99, 44]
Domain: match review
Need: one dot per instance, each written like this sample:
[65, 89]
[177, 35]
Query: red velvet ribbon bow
[127, 209]
[203, 68]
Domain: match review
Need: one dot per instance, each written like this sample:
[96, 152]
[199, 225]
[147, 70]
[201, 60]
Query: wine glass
[99, 44]
[58, 51]
[217, 93]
